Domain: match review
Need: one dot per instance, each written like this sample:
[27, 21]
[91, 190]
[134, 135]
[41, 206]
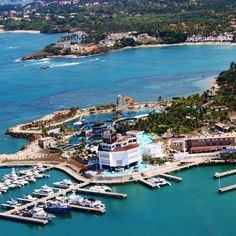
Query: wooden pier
[102, 193]
[171, 177]
[227, 188]
[223, 174]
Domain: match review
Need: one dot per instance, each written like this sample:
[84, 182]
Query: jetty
[227, 188]
[223, 174]
[23, 219]
[172, 177]
[102, 193]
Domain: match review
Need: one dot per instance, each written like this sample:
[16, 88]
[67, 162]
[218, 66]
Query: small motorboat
[28, 198]
[161, 181]
[39, 213]
[12, 203]
[44, 67]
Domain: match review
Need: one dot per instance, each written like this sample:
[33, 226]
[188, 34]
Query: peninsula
[173, 126]
[74, 45]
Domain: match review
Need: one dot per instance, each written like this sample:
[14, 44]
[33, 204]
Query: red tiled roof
[125, 148]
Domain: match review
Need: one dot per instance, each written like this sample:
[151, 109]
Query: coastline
[180, 44]
[20, 31]
[72, 56]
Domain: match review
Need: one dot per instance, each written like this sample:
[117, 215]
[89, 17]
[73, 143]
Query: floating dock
[223, 174]
[171, 177]
[227, 188]
[102, 193]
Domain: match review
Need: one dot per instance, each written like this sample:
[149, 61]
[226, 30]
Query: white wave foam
[64, 64]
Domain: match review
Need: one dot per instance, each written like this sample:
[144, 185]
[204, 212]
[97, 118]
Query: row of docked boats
[158, 182]
[45, 210]
[66, 183]
[21, 178]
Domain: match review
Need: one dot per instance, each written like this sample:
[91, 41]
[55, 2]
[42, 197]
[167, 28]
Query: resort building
[154, 150]
[117, 152]
[211, 143]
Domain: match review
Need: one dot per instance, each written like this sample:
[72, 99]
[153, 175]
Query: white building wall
[154, 150]
[122, 158]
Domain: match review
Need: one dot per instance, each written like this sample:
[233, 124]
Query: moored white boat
[65, 183]
[43, 191]
[101, 188]
[39, 213]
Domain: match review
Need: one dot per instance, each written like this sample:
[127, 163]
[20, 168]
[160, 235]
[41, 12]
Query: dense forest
[227, 94]
[168, 17]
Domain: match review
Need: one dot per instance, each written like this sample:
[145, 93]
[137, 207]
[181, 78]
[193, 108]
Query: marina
[12, 212]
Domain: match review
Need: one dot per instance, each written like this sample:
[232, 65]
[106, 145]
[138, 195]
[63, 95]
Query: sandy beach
[20, 31]
[180, 44]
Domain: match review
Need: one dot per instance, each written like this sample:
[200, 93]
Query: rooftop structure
[211, 143]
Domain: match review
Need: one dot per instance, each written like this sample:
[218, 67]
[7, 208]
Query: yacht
[39, 213]
[101, 188]
[12, 175]
[65, 183]
[57, 207]
[43, 191]
[90, 202]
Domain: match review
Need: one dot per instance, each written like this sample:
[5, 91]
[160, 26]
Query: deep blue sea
[192, 207]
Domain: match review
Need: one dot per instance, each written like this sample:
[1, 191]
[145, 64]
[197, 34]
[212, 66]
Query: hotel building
[211, 143]
[119, 151]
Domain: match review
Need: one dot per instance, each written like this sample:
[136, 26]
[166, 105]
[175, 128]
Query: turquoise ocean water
[27, 92]
[192, 207]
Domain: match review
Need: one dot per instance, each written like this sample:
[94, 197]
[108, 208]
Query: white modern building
[118, 152]
[154, 150]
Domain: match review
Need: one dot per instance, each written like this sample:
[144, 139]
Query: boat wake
[52, 63]
[12, 47]
[64, 64]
